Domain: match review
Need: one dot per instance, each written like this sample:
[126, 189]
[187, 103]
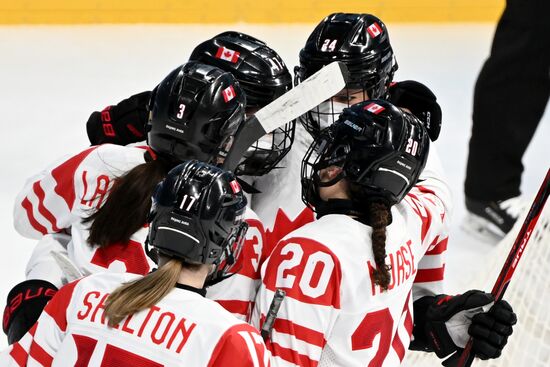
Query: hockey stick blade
[305, 96]
[465, 357]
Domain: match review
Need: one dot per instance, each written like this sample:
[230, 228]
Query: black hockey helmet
[197, 216]
[263, 76]
[194, 113]
[381, 149]
[362, 42]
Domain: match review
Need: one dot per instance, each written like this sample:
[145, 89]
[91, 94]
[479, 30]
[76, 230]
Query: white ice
[51, 78]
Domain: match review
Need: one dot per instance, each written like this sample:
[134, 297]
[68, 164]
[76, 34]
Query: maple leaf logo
[283, 226]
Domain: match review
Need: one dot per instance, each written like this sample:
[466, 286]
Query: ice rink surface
[52, 78]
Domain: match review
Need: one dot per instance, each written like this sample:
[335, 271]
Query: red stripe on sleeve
[425, 190]
[430, 275]
[41, 208]
[439, 248]
[26, 204]
[64, 176]
[19, 355]
[290, 355]
[308, 335]
[236, 306]
[57, 307]
[40, 355]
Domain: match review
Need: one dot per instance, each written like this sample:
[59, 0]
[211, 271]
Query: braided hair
[379, 218]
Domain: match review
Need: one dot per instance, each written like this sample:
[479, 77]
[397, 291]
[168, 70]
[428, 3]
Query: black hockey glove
[421, 101]
[24, 305]
[443, 324]
[121, 124]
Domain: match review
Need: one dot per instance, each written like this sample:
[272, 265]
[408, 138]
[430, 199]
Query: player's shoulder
[327, 230]
[107, 281]
[115, 159]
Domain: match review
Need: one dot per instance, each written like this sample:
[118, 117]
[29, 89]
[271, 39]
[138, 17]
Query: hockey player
[361, 41]
[161, 319]
[101, 196]
[348, 276]
[263, 76]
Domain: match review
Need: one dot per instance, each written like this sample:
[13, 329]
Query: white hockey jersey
[56, 200]
[183, 329]
[281, 209]
[333, 313]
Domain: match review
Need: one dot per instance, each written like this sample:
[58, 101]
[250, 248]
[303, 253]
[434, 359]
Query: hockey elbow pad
[421, 101]
[121, 124]
[24, 305]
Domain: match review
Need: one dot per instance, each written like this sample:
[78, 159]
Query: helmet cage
[372, 82]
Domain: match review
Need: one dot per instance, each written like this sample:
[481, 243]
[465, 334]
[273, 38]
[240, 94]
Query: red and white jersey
[281, 209]
[183, 329]
[237, 293]
[60, 197]
[280, 205]
[333, 313]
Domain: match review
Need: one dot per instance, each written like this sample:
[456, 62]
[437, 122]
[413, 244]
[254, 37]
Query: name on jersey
[161, 327]
[402, 268]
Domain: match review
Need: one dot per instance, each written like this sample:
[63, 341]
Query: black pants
[510, 96]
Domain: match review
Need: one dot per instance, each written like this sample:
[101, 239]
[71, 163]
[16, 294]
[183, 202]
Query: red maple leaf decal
[283, 226]
[227, 54]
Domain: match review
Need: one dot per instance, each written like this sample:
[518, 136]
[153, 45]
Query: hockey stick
[314, 90]
[272, 314]
[466, 358]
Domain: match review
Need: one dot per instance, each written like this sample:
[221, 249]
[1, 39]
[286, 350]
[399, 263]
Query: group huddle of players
[340, 217]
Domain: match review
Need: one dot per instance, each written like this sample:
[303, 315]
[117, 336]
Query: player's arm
[44, 338]
[48, 201]
[431, 202]
[120, 124]
[27, 299]
[311, 305]
[443, 324]
[242, 342]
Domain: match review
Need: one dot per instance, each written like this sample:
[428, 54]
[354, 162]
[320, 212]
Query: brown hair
[379, 215]
[142, 293]
[126, 209]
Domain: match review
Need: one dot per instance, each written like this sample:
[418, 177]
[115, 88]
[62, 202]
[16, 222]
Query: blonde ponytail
[142, 293]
